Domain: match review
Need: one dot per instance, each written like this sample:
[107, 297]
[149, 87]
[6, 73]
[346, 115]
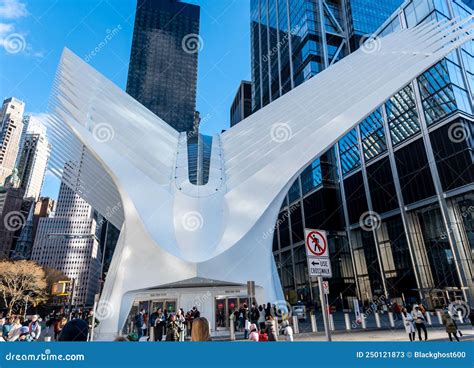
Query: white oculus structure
[173, 231]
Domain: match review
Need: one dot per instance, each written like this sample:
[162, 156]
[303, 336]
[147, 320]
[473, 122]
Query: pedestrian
[246, 322]
[286, 330]
[254, 314]
[34, 328]
[268, 311]
[261, 317]
[15, 330]
[419, 319]
[173, 329]
[262, 336]
[253, 336]
[408, 323]
[158, 324]
[270, 328]
[181, 321]
[59, 323]
[200, 330]
[450, 325]
[140, 323]
[6, 328]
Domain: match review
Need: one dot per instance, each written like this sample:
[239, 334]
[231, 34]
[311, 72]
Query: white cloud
[12, 9]
[14, 41]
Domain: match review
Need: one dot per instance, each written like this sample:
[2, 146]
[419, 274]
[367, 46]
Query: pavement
[436, 332]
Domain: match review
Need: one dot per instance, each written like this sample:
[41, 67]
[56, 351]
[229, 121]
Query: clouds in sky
[12, 39]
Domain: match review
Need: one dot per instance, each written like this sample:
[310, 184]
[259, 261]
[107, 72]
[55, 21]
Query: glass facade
[409, 162]
[162, 73]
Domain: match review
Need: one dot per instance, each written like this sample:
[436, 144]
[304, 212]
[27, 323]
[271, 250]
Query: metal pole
[26, 306]
[73, 282]
[324, 309]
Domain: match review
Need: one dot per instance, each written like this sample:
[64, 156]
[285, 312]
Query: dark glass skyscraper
[292, 40]
[395, 194]
[163, 62]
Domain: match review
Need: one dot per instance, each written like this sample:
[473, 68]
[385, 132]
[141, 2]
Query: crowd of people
[415, 321]
[55, 326]
[165, 326]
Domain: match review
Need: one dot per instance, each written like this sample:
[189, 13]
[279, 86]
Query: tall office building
[10, 132]
[69, 242]
[164, 57]
[242, 105]
[43, 207]
[33, 159]
[396, 193]
[291, 41]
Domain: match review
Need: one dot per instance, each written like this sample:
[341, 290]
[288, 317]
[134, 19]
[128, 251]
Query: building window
[349, 152]
[311, 177]
[373, 135]
[402, 115]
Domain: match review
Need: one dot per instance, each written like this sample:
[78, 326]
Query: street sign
[318, 266]
[326, 287]
[316, 243]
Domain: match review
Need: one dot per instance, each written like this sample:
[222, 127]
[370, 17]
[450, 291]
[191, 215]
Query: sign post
[319, 265]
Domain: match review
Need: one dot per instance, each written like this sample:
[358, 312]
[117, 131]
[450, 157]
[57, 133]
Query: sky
[33, 34]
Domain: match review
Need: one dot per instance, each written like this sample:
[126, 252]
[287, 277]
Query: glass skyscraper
[163, 62]
[292, 40]
[396, 194]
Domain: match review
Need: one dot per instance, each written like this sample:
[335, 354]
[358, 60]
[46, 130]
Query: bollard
[47, 339]
[314, 326]
[391, 320]
[377, 320]
[428, 318]
[348, 321]
[275, 323]
[440, 319]
[232, 330]
[296, 327]
[364, 322]
[461, 319]
[331, 322]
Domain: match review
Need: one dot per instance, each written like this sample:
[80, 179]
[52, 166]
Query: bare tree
[21, 278]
